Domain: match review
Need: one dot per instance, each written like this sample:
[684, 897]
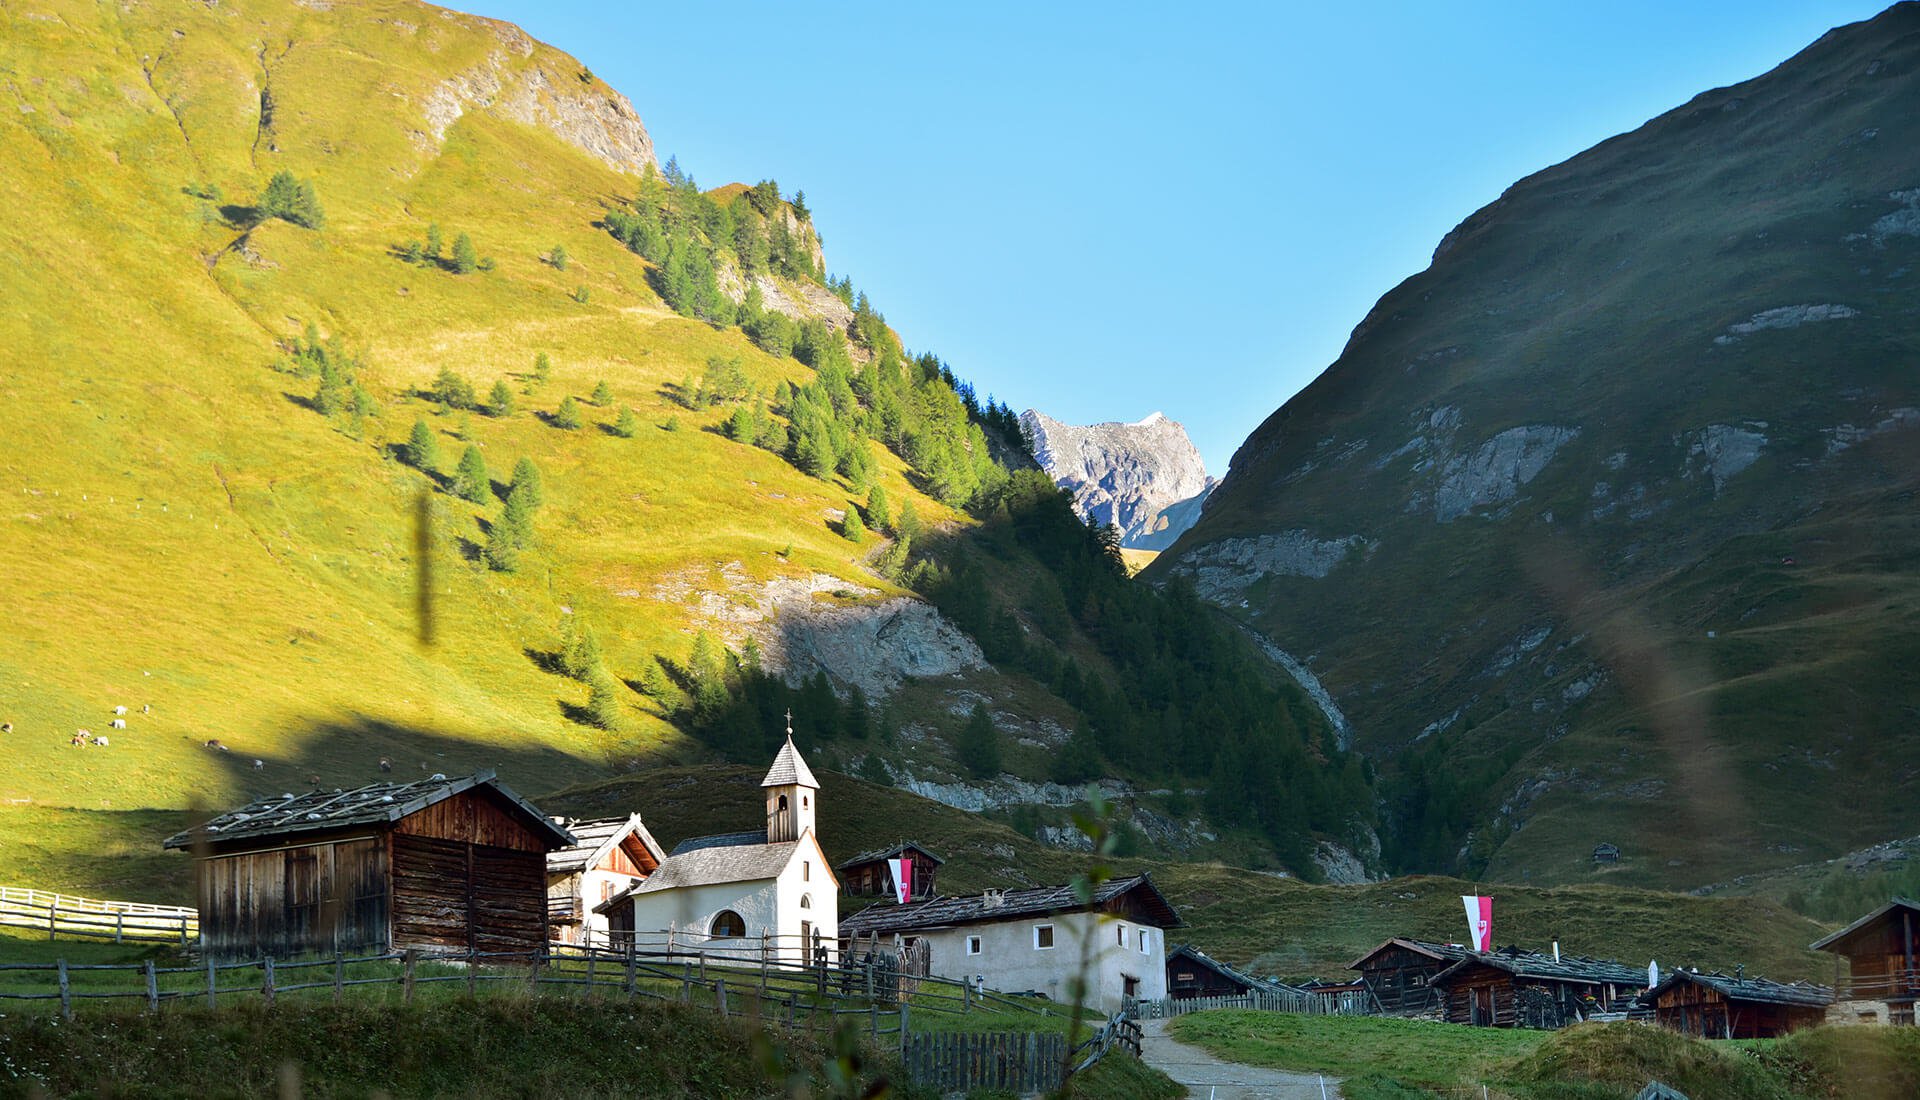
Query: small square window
[973, 945]
[806, 870]
[1042, 937]
[1146, 942]
[1120, 935]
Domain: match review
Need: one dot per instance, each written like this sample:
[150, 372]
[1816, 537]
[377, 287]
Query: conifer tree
[567, 416]
[290, 200]
[558, 257]
[740, 426]
[978, 744]
[501, 553]
[434, 243]
[602, 394]
[877, 516]
[423, 448]
[579, 649]
[470, 481]
[908, 525]
[627, 425]
[465, 259]
[851, 527]
[526, 484]
[452, 390]
[603, 701]
[500, 401]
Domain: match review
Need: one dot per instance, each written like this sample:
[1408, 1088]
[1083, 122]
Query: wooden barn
[1515, 988]
[1882, 953]
[1715, 1006]
[1400, 973]
[1193, 973]
[867, 874]
[443, 865]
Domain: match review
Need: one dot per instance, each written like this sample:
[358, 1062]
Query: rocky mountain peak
[1145, 478]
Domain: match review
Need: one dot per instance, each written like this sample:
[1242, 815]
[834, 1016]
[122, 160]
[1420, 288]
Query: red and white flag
[1479, 922]
[902, 879]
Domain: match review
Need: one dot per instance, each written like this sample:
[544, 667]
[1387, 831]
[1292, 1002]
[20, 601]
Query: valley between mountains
[381, 402]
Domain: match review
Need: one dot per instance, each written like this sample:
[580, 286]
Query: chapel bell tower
[791, 793]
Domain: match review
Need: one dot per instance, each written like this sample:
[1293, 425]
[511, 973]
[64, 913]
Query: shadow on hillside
[346, 753]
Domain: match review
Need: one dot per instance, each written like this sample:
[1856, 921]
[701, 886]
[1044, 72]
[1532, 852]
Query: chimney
[1556, 951]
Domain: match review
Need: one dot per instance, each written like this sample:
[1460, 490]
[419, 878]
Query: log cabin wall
[468, 876]
[1482, 996]
[1399, 978]
[321, 896]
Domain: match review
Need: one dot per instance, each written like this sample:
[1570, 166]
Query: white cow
[119, 710]
[118, 723]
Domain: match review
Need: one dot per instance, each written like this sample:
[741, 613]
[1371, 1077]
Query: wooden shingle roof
[374, 804]
[788, 769]
[592, 839]
[977, 909]
[1567, 968]
[1439, 952]
[1751, 989]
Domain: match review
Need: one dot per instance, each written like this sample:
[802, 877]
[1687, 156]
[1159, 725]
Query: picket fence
[1023, 1062]
[65, 915]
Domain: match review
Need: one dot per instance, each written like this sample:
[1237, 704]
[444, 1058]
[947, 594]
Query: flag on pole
[902, 879]
[1653, 974]
[1479, 922]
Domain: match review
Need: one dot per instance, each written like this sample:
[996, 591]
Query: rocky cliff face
[1576, 530]
[1145, 478]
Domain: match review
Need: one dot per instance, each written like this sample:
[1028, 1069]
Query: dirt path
[1209, 1078]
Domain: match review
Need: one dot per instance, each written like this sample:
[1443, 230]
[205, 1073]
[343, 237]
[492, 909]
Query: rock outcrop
[1145, 478]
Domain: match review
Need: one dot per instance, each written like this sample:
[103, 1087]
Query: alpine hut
[443, 865]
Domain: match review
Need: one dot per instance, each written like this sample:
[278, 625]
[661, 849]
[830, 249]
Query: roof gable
[594, 839]
[722, 863]
[376, 804]
[1839, 941]
[1438, 952]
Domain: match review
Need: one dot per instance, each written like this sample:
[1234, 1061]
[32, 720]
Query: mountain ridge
[1145, 478]
[1572, 526]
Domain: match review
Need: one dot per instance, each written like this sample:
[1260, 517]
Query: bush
[558, 257]
[452, 390]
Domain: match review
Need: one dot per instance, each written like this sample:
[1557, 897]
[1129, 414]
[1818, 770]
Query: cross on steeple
[789, 723]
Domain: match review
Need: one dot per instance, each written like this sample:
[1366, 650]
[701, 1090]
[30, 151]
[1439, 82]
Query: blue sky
[1100, 210]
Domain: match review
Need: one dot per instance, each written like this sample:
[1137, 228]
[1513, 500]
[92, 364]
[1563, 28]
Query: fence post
[473, 962]
[213, 984]
[686, 983]
[406, 978]
[590, 960]
[966, 995]
[153, 988]
[66, 993]
[119, 926]
[533, 973]
[873, 1019]
[52, 908]
[183, 932]
[903, 1026]
[266, 986]
[632, 964]
[720, 992]
[339, 976]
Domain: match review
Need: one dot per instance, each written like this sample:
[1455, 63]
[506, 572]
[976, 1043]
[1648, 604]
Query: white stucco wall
[1009, 961]
[767, 906]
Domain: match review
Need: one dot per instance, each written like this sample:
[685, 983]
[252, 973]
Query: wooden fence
[842, 993]
[1023, 1062]
[64, 915]
[1344, 1003]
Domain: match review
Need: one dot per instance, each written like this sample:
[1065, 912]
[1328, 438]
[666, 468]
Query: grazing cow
[100, 741]
[81, 738]
[313, 780]
[146, 708]
[6, 727]
[118, 723]
[258, 764]
[216, 746]
[386, 765]
[119, 710]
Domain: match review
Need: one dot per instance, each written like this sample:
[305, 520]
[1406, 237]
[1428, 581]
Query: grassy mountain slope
[199, 536]
[186, 535]
[1601, 529]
